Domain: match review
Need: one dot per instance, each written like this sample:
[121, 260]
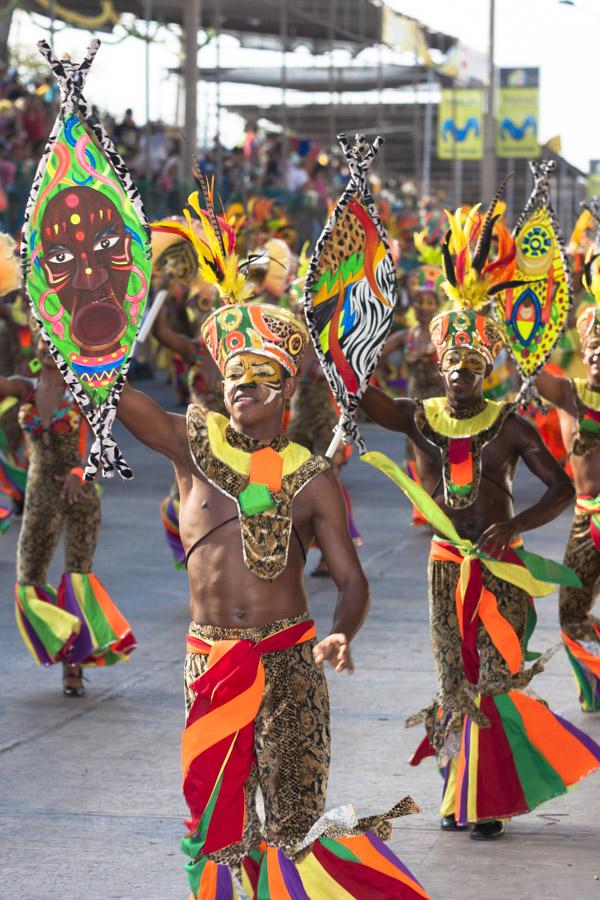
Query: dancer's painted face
[250, 381]
[463, 358]
[86, 256]
[463, 370]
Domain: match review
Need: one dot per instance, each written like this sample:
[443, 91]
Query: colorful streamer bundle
[78, 624]
[358, 866]
[586, 669]
[350, 292]
[169, 514]
[86, 258]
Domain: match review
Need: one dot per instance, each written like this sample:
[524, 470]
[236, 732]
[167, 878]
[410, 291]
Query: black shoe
[73, 680]
[448, 823]
[488, 831]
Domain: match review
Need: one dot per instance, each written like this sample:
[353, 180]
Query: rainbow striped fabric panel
[78, 624]
[528, 755]
[351, 868]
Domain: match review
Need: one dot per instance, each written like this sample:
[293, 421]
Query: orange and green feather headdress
[236, 327]
[472, 279]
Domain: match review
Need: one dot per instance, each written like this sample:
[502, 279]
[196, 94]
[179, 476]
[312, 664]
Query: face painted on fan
[252, 369]
[86, 258]
[463, 358]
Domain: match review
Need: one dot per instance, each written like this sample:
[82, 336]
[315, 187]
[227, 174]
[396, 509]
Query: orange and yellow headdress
[472, 279]
[236, 327]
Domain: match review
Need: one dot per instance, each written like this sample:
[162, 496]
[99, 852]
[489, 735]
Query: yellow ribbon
[518, 575]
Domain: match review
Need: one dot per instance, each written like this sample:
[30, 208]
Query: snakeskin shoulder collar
[262, 479]
[461, 442]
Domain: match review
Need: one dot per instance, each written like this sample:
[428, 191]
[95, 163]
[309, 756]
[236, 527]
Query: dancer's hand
[336, 650]
[496, 539]
[72, 488]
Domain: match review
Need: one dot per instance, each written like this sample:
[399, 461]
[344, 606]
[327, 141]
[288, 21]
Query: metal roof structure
[321, 78]
[318, 24]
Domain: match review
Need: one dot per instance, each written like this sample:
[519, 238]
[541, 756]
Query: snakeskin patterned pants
[291, 740]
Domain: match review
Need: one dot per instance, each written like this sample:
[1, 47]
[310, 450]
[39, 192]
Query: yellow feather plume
[430, 255]
[218, 262]
[592, 273]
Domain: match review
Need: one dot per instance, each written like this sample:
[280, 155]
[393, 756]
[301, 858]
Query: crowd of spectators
[299, 174]
[154, 154]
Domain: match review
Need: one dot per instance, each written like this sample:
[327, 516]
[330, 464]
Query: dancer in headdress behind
[578, 403]
[501, 751]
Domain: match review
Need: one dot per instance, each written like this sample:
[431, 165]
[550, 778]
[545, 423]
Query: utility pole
[488, 163]
[191, 26]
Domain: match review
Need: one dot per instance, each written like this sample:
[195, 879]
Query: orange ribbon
[501, 632]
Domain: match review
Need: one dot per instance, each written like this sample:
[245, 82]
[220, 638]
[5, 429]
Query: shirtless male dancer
[256, 695]
[578, 403]
[467, 449]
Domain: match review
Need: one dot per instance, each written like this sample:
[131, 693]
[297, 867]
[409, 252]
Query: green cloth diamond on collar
[255, 499]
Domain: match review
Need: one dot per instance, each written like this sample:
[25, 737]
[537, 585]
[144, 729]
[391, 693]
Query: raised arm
[559, 490]
[330, 523]
[397, 415]
[152, 425]
[15, 386]
[178, 343]
[557, 390]
[395, 342]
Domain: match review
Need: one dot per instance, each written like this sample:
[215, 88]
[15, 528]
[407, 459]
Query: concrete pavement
[90, 805]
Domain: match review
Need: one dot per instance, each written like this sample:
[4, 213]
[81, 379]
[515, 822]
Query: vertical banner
[593, 181]
[460, 124]
[518, 114]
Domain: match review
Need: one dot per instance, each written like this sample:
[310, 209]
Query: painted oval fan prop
[86, 259]
[350, 292]
[534, 314]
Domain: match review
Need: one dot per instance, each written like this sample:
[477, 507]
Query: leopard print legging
[291, 739]
[46, 514]
[445, 635]
[574, 604]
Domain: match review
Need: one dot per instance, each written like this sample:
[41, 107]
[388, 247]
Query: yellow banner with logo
[460, 124]
[517, 127]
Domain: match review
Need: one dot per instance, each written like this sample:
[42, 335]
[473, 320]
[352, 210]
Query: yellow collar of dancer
[262, 480]
[441, 421]
[521, 576]
[293, 455]
[587, 395]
